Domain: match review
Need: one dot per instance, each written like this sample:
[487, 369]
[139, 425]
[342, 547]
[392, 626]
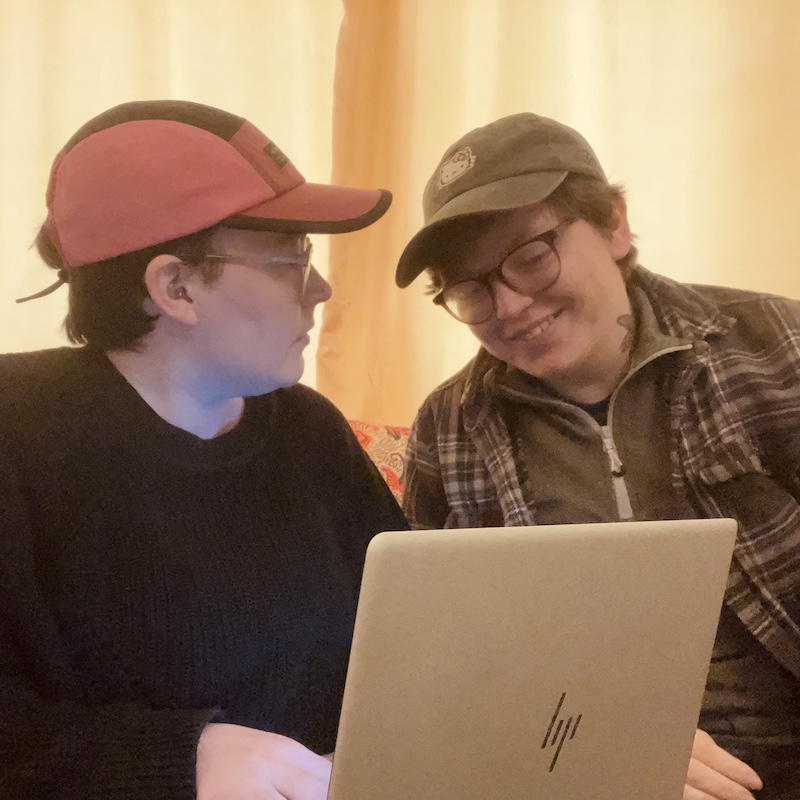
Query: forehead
[233, 240]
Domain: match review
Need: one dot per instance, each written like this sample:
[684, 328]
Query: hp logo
[559, 730]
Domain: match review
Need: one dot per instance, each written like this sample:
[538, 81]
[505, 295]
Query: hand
[714, 774]
[238, 763]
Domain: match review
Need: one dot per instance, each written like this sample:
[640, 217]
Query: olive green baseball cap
[512, 162]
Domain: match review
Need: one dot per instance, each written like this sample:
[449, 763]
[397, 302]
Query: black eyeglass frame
[486, 280]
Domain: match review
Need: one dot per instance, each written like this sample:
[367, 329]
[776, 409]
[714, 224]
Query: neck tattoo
[627, 322]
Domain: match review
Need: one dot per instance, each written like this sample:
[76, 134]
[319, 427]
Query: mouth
[304, 338]
[534, 331]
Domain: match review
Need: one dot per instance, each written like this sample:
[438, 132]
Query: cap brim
[513, 192]
[315, 208]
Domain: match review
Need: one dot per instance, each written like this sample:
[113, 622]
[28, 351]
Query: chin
[289, 377]
[541, 368]
[523, 361]
[261, 384]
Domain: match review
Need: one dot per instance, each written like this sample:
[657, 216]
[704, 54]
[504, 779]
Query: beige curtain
[693, 104]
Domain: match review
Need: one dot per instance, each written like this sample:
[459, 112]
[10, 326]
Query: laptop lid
[558, 662]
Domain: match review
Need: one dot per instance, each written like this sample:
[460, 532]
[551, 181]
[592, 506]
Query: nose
[317, 290]
[508, 303]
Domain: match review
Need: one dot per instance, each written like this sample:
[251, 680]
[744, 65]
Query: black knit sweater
[151, 581]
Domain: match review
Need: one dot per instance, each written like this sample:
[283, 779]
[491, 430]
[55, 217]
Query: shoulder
[732, 300]
[307, 414]
[759, 317]
[720, 309]
[467, 394]
[27, 378]
[304, 401]
[47, 397]
[40, 364]
[450, 392]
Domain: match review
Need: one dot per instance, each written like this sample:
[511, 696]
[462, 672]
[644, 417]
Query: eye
[531, 256]
[466, 291]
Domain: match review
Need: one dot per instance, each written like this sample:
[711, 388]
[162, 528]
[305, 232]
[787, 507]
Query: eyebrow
[439, 279]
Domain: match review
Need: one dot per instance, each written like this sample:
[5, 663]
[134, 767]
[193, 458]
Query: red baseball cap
[150, 171]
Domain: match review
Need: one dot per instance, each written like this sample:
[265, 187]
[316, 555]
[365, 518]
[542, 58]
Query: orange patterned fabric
[386, 446]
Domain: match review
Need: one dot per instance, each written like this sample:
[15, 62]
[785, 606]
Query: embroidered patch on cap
[276, 154]
[456, 166]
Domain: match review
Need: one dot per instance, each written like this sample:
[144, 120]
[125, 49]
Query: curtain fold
[360, 357]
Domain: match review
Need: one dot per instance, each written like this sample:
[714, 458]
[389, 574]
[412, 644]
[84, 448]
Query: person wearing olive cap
[182, 526]
[602, 392]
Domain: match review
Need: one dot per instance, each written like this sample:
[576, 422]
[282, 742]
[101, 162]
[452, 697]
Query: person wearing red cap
[182, 525]
[603, 392]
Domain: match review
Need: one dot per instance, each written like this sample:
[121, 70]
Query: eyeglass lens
[298, 262]
[307, 252]
[530, 268]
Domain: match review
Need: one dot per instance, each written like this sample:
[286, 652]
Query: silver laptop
[559, 662]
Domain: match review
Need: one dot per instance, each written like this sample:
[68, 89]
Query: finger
[305, 776]
[302, 785]
[300, 758]
[708, 752]
[690, 793]
[703, 778]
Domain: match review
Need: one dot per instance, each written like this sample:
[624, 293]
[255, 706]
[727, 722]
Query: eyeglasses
[299, 263]
[529, 268]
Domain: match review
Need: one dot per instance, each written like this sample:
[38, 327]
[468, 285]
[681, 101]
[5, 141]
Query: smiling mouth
[532, 333]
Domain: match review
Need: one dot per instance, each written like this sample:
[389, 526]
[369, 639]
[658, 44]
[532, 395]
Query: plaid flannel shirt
[735, 412]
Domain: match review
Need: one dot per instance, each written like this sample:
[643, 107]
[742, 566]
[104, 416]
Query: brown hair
[106, 298]
[593, 200]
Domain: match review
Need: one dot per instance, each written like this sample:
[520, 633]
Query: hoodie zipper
[621, 495]
[617, 468]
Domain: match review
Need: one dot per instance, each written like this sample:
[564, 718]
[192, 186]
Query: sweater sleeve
[54, 743]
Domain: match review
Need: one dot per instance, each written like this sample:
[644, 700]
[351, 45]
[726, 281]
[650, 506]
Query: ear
[621, 238]
[167, 281]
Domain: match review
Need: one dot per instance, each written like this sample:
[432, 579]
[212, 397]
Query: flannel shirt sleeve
[424, 499]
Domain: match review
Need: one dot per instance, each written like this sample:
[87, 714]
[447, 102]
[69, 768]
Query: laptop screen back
[553, 662]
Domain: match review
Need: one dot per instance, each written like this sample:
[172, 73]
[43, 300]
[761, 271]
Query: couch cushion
[386, 446]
